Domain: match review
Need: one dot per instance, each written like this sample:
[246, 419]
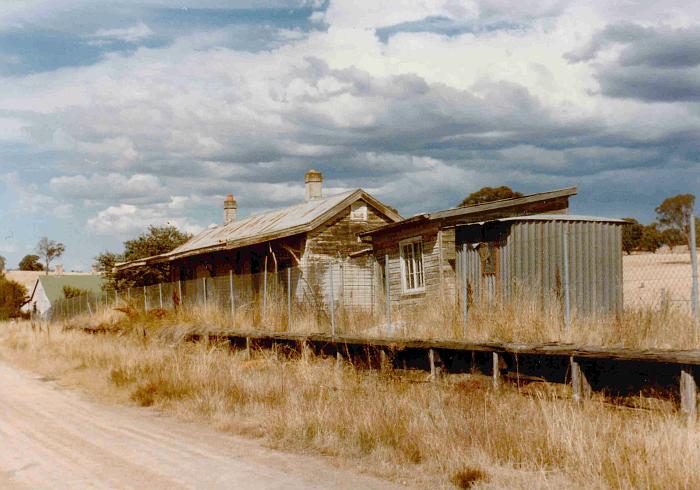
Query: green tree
[675, 212]
[488, 194]
[72, 292]
[158, 240]
[12, 297]
[673, 237]
[49, 250]
[631, 235]
[30, 263]
[651, 238]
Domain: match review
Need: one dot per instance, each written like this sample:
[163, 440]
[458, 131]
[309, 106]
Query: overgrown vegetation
[457, 431]
[158, 240]
[13, 296]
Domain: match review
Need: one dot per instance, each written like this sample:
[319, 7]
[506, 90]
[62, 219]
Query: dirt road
[55, 438]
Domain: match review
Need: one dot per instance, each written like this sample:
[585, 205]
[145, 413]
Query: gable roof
[477, 212]
[53, 285]
[292, 220]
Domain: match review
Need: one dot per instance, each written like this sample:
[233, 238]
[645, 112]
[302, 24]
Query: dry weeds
[457, 432]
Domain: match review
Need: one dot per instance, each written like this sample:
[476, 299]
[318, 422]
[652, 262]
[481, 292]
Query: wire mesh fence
[558, 274]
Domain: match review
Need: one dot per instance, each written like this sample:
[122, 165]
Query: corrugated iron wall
[529, 255]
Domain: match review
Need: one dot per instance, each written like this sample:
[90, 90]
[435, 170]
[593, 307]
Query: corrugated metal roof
[53, 285]
[263, 224]
[561, 217]
[260, 228]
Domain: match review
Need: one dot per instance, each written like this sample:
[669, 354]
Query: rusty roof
[467, 214]
[299, 218]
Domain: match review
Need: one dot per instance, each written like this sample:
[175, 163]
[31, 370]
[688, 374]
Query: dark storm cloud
[655, 64]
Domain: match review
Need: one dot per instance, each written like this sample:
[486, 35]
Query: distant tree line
[671, 228]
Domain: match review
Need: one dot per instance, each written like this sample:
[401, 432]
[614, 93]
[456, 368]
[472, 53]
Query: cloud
[131, 34]
[111, 186]
[127, 220]
[645, 63]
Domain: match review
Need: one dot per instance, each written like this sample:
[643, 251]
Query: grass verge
[455, 433]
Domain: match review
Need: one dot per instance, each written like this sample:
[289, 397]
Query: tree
[651, 238]
[488, 194]
[158, 240]
[30, 263]
[71, 292]
[673, 237]
[49, 250]
[631, 235]
[3, 262]
[675, 212]
[12, 297]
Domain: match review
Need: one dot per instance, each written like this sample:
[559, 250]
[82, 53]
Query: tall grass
[521, 319]
[455, 432]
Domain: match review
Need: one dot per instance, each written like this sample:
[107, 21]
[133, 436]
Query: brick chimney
[230, 208]
[313, 181]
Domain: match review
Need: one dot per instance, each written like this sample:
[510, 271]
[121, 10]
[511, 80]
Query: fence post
[204, 291]
[231, 297]
[332, 303]
[565, 253]
[289, 297]
[160, 294]
[694, 266]
[388, 293]
[465, 291]
[179, 292]
[145, 301]
[264, 304]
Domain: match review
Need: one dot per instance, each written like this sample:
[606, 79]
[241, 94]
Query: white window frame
[359, 212]
[417, 266]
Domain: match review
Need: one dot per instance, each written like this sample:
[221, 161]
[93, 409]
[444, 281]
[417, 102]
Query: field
[651, 279]
[456, 432]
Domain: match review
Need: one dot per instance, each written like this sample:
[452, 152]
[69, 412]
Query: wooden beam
[495, 370]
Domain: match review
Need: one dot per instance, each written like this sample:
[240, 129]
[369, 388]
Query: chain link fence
[570, 273]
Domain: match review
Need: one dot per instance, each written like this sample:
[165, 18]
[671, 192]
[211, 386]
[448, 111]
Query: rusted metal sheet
[528, 255]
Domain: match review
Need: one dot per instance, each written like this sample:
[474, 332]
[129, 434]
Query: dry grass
[457, 432]
[522, 319]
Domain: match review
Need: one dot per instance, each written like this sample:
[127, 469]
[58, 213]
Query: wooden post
[689, 397]
[145, 301]
[179, 292]
[247, 347]
[496, 370]
[465, 291]
[332, 303]
[433, 370]
[289, 298]
[579, 384]
[264, 303]
[160, 294]
[388, 293]
[204, 291]
[384, 363]
[338, 358]
[232, 299]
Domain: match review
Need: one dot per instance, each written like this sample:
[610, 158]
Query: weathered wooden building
[306, 236]
[502, 245]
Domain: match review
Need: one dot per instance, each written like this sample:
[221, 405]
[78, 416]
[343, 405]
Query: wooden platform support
[579, 384]
[247, 347]
[433, 370]
[384, 361]
[496, 370]
[689, 395]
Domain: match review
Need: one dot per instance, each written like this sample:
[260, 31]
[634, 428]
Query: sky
[119, 115]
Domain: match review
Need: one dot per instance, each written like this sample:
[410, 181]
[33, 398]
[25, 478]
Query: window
[358, 211]
[412, 265]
